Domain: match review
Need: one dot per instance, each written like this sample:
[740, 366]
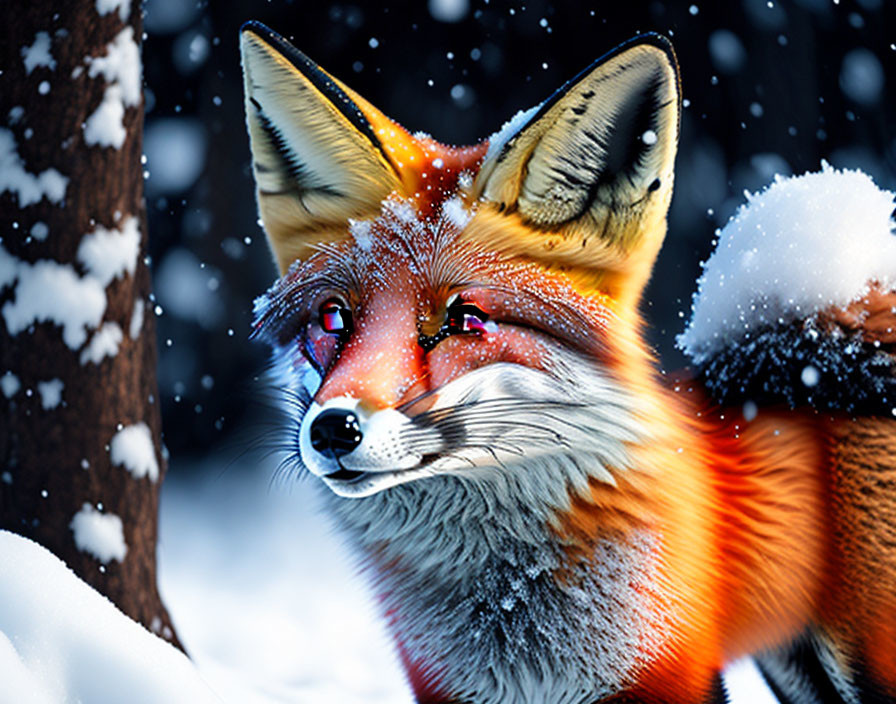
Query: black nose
[335, 433]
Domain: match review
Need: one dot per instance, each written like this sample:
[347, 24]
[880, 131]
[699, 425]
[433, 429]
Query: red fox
[543, 516]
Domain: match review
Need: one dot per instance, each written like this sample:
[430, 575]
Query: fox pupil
[465, 318]
[335, 318]
[460, 318]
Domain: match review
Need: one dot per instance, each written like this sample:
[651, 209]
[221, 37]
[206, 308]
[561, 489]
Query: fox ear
[316, 154]
[588, 173]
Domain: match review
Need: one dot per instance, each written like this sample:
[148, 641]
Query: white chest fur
[482, 594]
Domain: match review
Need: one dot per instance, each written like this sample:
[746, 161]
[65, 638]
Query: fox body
[543, 516]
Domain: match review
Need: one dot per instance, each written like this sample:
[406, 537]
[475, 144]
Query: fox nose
[335, 432]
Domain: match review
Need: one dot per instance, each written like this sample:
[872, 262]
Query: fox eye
[335, 317]
[463, 317]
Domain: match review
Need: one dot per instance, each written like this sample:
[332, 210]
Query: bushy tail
[839, 359]
[797, 306]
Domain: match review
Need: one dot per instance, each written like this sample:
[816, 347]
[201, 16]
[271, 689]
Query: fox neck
[490, 598]
[487, 603]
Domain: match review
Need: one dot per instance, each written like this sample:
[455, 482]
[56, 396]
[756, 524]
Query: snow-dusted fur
[542, 518]
[771, 320]
[468, 557]
[464, 548]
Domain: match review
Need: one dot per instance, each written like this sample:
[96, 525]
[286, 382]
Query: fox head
[460, 311]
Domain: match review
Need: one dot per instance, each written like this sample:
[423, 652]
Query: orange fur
[758, 529]
[860, 600]
[798, 516]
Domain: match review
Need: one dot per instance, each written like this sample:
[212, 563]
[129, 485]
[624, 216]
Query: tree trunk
[80, 459]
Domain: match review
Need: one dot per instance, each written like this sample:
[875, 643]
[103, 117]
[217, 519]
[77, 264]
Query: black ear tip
[655, 38]
[282, 45]
[268, 35]
[257, 27]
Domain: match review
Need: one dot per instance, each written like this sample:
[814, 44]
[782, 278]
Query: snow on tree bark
[71, 123]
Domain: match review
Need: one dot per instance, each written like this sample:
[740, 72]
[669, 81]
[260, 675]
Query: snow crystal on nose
[803, 244]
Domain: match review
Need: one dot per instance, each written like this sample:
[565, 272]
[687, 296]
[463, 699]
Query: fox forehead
[418, 260]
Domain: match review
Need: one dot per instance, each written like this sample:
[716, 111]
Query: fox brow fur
[436, 253]
[574, 417]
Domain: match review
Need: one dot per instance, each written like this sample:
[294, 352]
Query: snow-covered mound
[264, 595]
[266, 599]
[803, 244]
[797, 303]
[261, 592]
[61, 641]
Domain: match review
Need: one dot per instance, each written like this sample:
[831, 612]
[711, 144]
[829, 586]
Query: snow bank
[264, 595]
[62, 641]
[802, 245]
[20, 685]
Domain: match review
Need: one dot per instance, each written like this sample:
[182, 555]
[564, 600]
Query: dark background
[770, 87]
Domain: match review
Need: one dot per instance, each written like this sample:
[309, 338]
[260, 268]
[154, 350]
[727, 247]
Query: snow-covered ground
[61, 641]
[264, 596]
[268, 602]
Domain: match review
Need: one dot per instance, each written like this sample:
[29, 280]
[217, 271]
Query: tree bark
[69, 102]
